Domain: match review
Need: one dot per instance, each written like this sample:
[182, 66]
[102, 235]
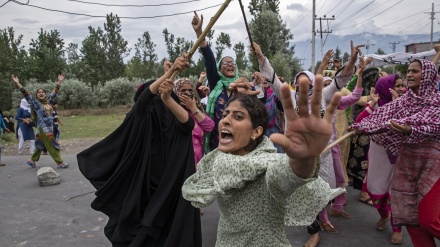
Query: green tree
[345, 57]
[240, 56]
[74, 63]
[142, 64]
[175, 46]
[103, 52]
[255, 6]
[116, 47]
[380, 52]
[280, 63]
[337, 54]
[223, 41]
[13, 60]
[94, 57]
[46, 56]
[277, 40]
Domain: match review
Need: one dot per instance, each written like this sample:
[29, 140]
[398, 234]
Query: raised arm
[267, 71]
[208, 55]
[325, 62]
[166, 88]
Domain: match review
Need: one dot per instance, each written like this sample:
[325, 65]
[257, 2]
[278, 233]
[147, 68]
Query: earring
[253, 138]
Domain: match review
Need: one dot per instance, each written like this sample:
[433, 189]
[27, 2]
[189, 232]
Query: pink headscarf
[421, 112]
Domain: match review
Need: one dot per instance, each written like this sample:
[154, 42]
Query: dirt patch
[72, 146]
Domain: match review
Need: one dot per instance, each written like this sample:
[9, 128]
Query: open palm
[306, 135]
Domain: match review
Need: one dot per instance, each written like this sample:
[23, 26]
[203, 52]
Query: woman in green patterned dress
[258, 190]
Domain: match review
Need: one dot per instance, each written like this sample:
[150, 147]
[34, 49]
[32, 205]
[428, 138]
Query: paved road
[35, 216]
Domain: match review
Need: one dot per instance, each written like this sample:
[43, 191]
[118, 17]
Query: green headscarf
[210, 107]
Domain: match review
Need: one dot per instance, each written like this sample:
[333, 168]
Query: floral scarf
[420, 111]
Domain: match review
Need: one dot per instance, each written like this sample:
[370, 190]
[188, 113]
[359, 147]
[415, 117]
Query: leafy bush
[119, 91]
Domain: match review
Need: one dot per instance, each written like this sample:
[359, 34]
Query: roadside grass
[80, 123]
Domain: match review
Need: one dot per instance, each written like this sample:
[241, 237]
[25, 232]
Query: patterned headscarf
[420, 111]
[178, 85]
[223, 82]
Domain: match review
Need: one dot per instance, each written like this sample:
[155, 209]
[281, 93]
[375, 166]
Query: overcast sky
[400, 17]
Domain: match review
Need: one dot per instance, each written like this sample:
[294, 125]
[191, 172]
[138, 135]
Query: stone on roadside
[47, 176]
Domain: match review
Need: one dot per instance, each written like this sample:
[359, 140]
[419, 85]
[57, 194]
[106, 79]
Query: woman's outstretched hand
[306, 134]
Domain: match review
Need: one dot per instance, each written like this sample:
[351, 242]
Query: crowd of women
[259, 149]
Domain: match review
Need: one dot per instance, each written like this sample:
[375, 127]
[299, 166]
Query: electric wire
[372, 16]
[120, 17]
[133, 5]
[353, 15]
[334, 7]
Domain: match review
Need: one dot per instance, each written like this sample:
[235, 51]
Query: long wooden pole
[326, 149]
[246, 23]
[204, 33]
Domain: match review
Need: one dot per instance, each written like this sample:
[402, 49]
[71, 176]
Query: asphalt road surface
[61, 215]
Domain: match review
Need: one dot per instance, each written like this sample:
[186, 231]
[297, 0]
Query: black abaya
[138, 172]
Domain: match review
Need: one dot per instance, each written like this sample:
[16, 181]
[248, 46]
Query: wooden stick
[246, 23]
[338, 141]
[204, 33]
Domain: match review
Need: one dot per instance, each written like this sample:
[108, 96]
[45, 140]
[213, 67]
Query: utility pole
[301, 62]
[393, 45]
[313, 36]
[325, 31]
[314, 18]
[368, 46]
[432, 13]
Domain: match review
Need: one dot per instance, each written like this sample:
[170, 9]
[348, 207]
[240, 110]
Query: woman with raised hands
[42, 116]
[409, 129]
[259, 190]
[139, 169]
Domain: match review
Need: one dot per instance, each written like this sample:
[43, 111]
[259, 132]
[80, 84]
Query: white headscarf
[25, 105]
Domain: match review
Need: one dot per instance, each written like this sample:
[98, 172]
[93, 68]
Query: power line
[353, 15]
[321, 6]
[133, 5]
[345, 8]
[120, 17]
[334, 7]
[372, 16]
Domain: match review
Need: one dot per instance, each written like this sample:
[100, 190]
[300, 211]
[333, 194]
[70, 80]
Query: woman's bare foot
[365, 198]
[396, 238]
[313, 241]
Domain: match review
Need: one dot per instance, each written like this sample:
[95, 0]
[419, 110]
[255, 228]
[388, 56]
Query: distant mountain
[303, 49]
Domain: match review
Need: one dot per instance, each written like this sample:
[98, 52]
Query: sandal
[328, 227]
[340, 214]
[313, 241]
[64, 165]
[396, 238]
[31, 164]
[367, 201]
[382, 224]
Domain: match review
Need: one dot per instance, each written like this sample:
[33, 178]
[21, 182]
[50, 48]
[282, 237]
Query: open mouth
[225, 136]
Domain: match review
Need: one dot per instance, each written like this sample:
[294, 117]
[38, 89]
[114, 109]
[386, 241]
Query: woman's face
[228, 67]
[399, 87]
[187, 90]
[41, 94]
[414, 76]
[235, 129]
